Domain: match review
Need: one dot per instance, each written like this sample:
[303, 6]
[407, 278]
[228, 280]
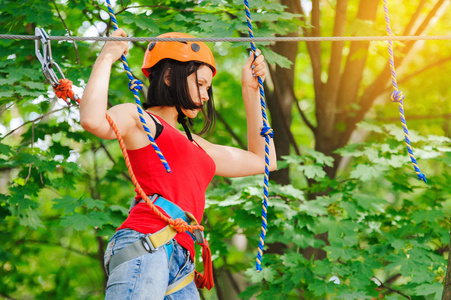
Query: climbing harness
[63, 86]
[161, 238]
[398, 96]
[267, 133]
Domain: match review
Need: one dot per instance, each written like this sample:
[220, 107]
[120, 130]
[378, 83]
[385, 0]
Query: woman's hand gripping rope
[253, 68]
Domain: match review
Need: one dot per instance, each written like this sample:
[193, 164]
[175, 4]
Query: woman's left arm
[234, 162]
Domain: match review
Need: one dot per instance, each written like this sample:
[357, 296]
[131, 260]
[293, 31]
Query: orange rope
[64, 90]
[205, 280]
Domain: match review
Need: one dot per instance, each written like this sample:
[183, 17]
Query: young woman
[180, 77]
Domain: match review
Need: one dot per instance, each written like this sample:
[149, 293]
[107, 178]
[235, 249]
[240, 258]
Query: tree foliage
[63, 192]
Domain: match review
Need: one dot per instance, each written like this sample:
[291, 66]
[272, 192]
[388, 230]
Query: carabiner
[46, 59]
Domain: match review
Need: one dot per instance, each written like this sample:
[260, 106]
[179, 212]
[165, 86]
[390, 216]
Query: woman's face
[198, 89]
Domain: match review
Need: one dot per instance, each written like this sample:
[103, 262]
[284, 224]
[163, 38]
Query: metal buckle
[147, 244]
[199, 235]
[46, 59]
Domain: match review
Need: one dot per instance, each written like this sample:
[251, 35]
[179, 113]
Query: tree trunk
[280, 103]
[333, 105]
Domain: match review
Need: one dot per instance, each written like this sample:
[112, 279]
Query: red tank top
[192, 169]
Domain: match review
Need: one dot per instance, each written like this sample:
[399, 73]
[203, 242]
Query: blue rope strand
[135, 86]
[398, 96]
[266, 132]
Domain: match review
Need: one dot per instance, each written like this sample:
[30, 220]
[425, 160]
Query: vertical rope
[135, 86]
[398, 96]
[266, 132]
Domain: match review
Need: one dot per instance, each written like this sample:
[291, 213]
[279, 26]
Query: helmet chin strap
[182, 120]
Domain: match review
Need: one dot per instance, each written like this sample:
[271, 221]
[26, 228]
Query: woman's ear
[167, 77]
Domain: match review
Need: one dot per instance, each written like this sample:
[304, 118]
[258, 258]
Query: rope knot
[265, 130]
[397, 96]
[180, 225]
[421, 176]
[135, 84]
[204, 244]
[64, 90]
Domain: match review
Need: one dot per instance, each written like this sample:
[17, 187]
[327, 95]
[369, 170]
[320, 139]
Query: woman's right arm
[93, 105]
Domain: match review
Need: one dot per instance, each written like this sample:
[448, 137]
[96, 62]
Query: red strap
[64, 90]
[206, 280]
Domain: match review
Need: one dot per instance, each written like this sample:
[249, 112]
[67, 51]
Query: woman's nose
[204, 95]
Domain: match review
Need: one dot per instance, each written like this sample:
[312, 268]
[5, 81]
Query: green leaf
[141, 20]
[81, 222]
[312, 171]
[30, 218]
[6, 150]
[320, 157]
[366, 172]
[370, 127]
[91, 203]
[287, 191]
[320, 287]
[316, 207]
[266, 274]
[368, 202]
[435, 289]
[354, 295]
[121, 209]
[275, 58]
[68, 203]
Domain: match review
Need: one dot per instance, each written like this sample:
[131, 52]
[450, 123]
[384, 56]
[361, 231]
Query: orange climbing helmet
[180, 51]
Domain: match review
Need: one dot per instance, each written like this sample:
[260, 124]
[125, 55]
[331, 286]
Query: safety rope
[135, 86]
[179, 225]
[266, 132]
[235, 39]
[398, 96]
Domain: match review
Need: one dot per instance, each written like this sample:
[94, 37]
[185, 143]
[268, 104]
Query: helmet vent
[195, 47]
[151, 46]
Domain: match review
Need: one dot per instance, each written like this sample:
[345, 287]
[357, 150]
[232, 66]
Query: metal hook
[46, 59]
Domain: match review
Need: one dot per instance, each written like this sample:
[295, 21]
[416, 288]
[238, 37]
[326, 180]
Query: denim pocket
[181, 264]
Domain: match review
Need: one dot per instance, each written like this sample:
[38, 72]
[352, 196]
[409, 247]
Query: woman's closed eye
[200, 84]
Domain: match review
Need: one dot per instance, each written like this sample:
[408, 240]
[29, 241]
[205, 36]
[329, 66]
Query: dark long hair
[177, 93]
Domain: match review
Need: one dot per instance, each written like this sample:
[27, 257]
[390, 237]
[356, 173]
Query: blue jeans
[147, 276]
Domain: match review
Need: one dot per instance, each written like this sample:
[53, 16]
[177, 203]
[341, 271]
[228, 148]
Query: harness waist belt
[175, 212]
[160, 238]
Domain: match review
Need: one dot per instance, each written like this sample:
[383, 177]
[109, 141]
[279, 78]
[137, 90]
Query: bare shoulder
[204, 144]
[125, 113]
[127, 108]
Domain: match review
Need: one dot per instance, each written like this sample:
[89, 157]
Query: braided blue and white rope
[398, 96]
[135, 86]
[267, 133]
